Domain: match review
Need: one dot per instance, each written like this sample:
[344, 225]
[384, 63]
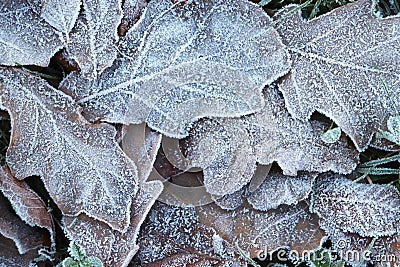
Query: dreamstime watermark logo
[341, 252]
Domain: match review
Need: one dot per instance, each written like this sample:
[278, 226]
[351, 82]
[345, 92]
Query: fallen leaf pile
[191, 133]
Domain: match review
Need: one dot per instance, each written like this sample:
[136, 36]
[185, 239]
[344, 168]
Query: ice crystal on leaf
[345, 65]
[186, 62]
[81, 165]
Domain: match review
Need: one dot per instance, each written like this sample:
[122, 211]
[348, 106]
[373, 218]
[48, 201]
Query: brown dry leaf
[184, 62]
[25, 237]
[132, 9]
[10, 256]
[24, 37]
[26, 203]
[141, 145]
[383, 251]
[173, 237]
[342, 62]
[112, 247]
[366, 209]
[92, 40]
[256, 231]
[82, 167]
[280, 189]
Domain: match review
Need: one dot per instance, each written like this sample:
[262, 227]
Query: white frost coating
[204, 58]
[82, 166]
[61, 14]
[10, 256]
[113, 247]
[296, 145]
[24, 37]
[280, 189]
[366, 209]
[341, 62]
[92, 40]
[224, 152]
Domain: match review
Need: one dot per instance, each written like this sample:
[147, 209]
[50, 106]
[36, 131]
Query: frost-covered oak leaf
[184, 62]
[346, 66]
[61, 14]
[289, 225]
[25, 237]
[26, 203]
[366, 209]
[81, 165]
[173, 236]
[92, 40]
[112, 247]
[25, 38]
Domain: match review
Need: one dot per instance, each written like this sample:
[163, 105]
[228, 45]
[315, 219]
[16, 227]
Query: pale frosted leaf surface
[172, 236]
[10, 256]
[332, 135]
[296, 145]
[113, 247]
[92, 40]
[292, 226]
[61, 14]
[384, 251]
[365, 209]
[141, 144]
[188, 61]
[280, 189]
[24, 37]
[26, 203]
[81, 164]
[342, 62]
[223, 150]
[232, 201]
[393, 133]
[25, 237]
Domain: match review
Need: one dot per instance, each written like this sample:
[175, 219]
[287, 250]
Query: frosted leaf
[24, 37]
[255, 231]
[296, 145]
[92, 40]
[184, 62]
[280, 189]
[25, 237]
[345, 65]
[81, 165]
[232, 201]
[332, 135]
[10, 256]
[393, 133]
[61, 14]
[383, 251]
[140, 144]
[223, 150]
[26, 203]
[112, 247]
[172, 236]
[365, 209]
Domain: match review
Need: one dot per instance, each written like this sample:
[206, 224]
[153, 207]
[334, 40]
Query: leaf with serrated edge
[61, 14]
[342, 62]
[187, 62]
[26, 203]
[365, 209]
[112, 247]
[384, 251]
[25, 237]
[280, 189]
[24, 37]
[80, 164]
[172, 236]
[93, 37]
